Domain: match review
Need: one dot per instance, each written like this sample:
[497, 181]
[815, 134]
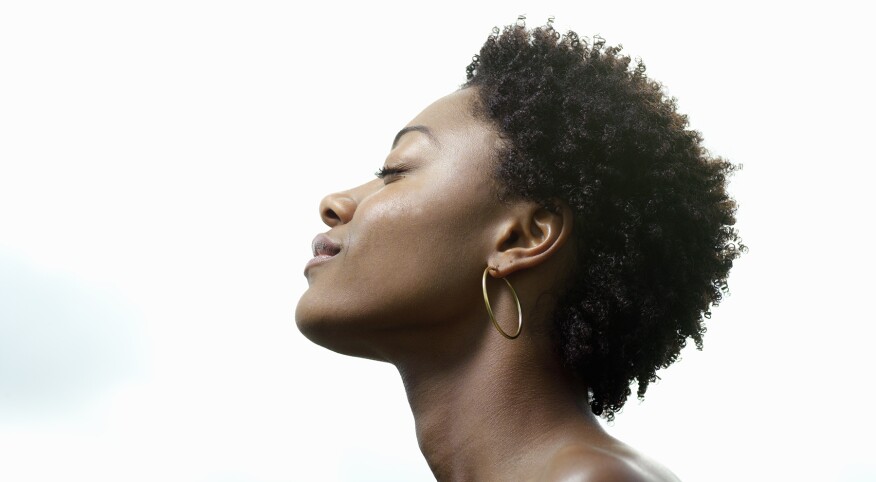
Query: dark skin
[405, 288]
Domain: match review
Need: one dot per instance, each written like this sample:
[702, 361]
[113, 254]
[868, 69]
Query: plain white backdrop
[160, 168]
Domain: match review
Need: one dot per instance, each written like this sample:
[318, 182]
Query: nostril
[336, 209]
[330, 214]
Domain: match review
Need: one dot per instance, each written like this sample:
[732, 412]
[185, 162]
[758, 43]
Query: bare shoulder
[581, 463]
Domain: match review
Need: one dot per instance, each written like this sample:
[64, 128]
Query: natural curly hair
[654, 223]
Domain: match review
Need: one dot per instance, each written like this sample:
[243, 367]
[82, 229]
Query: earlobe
[532, 235]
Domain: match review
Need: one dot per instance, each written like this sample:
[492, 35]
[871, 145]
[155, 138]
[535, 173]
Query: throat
[485, 419]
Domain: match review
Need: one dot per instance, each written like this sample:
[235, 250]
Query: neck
[488, 415]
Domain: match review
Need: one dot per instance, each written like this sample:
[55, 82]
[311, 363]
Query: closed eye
[390, 172]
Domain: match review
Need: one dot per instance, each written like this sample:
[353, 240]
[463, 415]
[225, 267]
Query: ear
[530, 235]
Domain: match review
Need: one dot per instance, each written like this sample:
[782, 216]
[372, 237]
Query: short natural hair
[653, 221]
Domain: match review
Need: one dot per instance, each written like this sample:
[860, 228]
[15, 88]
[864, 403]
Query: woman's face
[413, 245]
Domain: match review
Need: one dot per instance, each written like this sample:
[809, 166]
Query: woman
[534, 242]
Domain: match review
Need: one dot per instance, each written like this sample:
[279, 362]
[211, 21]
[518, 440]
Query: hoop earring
[490, 310]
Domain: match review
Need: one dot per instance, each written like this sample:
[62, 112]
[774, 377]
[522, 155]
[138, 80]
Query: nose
[337, 208]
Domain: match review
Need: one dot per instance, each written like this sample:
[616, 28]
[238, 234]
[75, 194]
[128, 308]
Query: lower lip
[317, 260]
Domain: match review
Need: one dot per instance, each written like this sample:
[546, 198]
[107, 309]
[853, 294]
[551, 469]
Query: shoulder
[580, 463]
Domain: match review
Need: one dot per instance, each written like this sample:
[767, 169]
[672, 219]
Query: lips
[323, 246]
[324, 249]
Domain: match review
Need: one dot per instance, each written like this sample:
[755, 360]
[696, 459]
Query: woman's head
[410, 247]
[558, 163]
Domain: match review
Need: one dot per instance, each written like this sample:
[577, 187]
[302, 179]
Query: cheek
[412, 252]
[405, 237]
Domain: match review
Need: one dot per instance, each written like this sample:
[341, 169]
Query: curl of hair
[653, 230]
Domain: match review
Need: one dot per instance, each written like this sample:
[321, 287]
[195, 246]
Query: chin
[313, 322]
[328, 329]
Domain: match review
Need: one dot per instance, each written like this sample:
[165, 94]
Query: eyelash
[384, 172]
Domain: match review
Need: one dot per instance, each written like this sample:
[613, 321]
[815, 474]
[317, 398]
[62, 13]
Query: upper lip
[323, 245]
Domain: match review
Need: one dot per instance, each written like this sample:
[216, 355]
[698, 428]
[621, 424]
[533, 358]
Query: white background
[161, 163]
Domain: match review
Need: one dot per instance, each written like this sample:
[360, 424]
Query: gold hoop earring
[490, 310]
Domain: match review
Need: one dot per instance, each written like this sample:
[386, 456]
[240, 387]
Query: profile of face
[400, 267]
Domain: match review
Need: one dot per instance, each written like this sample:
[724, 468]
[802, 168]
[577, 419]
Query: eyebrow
[423, 129]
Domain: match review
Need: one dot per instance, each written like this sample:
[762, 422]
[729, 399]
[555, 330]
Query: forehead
[452, 122]
[451, 109]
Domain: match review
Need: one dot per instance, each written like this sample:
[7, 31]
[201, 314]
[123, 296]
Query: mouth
[324, 249]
